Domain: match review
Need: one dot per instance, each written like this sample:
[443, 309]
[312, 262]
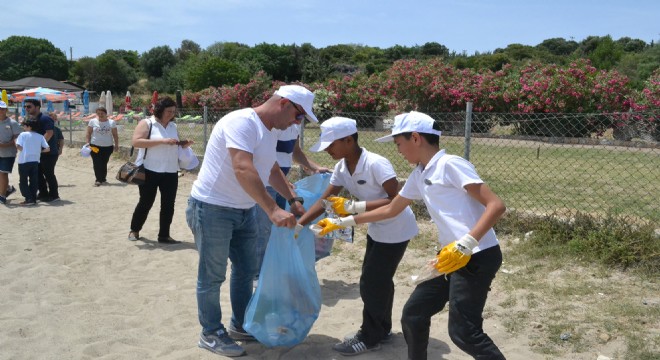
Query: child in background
[464, 209]
[30, 144]
[370, 178]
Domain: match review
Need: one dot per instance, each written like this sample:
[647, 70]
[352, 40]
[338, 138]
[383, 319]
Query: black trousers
[100, 162]
[48, 187]
[167, 183]
[466, 290]
[377, 288]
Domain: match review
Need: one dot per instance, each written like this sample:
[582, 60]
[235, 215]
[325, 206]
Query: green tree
[632, 45]
[431, 49]
[85, 72]
[558, 46]
[114, 73]
[206, 71]
[156, 60]
[22, 56]
[187, 49]
[606, 54]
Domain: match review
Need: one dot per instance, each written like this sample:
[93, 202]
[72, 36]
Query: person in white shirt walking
[102, 135]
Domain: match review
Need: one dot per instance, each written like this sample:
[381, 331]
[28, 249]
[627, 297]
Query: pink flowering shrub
[358, 93]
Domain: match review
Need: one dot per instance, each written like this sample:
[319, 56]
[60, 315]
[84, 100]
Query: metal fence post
[468, 129]
[70, 130]
[206, 117]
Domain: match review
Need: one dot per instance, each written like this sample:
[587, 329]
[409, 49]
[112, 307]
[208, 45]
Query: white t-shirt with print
[163, 158]
[441, 186]
[366, 184]
[32, 143]
[102, 132]
[216, 183]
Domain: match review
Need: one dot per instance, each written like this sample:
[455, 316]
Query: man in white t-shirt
[238, 162]
[371, 179]
[464, 209]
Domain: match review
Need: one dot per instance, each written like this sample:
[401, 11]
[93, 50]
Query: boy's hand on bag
[328, 225]
[343, 206]
[456, 255]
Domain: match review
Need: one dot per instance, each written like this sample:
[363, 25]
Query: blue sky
[91, 27]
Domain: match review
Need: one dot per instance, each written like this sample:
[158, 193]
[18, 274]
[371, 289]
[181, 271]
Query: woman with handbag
[102, 135]
[158, 140]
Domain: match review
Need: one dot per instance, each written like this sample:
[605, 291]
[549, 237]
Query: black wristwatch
[298, 199]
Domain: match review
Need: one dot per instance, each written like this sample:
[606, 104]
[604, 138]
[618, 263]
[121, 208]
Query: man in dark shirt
[48, 188]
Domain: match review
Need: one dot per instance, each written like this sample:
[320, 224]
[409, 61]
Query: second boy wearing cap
[464, 210]
[371, 179]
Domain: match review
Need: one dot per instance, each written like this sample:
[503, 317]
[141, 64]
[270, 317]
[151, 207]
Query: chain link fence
[540, 164]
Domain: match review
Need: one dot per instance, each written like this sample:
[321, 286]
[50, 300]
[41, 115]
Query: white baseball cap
[300, 96]
[3, 105]
[411, 122]
[333, 129]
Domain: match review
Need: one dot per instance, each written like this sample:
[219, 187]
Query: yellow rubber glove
[456, 255]
[94, 149]
[343, 206]
[328, 225]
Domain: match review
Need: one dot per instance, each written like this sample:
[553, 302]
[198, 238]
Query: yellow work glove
[456, 255]
[343, 206]
[328, 225]
[94, 149]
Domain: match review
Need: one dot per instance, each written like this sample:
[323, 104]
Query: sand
[73, 287]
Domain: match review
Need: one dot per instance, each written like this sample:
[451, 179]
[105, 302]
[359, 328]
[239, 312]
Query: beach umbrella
[128, 101]
[43, 94]
[5, 98]
[86, 101]
[50, 107]
[154, 100]
[108, 102]
[66, 106]
[102, 99]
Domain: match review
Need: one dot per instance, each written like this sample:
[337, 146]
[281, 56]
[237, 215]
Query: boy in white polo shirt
[464, 209]
[371, 179]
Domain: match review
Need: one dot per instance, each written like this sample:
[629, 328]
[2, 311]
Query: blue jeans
[222, 233]
[264, 225]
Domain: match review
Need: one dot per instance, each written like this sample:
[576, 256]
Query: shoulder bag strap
[151, 124]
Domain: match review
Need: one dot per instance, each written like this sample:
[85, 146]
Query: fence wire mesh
[541, 164]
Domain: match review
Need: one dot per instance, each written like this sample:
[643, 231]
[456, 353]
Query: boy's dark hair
[355, 137]
[33, 124]
[163, 103]
[34, 102]
[432, 139]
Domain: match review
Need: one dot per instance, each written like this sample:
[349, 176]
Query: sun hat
[3, 105]
[300, 96]
[411, 122]
[333, 129]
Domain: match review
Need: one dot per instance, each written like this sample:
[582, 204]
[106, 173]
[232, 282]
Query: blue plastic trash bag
[311, 188]
[288, 297]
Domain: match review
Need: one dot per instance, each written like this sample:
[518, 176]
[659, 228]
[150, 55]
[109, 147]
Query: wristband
[294, 199]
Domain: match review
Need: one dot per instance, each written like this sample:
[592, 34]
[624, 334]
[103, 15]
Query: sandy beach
[73, 286]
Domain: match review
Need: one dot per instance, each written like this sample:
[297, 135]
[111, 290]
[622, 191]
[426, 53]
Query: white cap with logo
[300, 96]
[333, 129]
[411, 122]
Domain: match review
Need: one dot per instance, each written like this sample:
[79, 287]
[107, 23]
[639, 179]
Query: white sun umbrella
[102, 99]
[108, 102]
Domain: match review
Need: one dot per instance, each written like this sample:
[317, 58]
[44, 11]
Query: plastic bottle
[272, 320]
[345, 234]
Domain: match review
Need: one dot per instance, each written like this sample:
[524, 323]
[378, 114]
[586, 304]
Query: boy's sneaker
[238, 333]
[3, 200]
[354, 346]
[55, 199]
[385, 340]
[221, 344]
